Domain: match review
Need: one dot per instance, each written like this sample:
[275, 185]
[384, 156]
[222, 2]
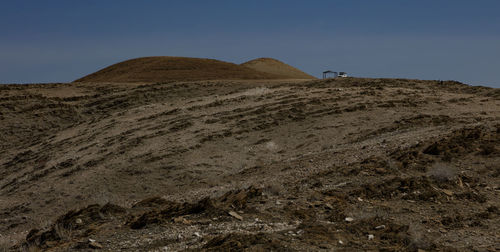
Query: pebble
[371, 237]
[447, 192]
[235, 215]
[380, 227]
[181, 220]
[349, 219]
[95, 245]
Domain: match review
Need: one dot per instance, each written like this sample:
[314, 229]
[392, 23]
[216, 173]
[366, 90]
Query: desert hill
[273, 66]
[158, 69]
[164, 68]
[250, 164]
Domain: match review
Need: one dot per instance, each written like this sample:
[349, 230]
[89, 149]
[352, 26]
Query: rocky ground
[345, 164]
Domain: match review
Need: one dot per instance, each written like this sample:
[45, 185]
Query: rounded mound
[276, 67]
[164, 68]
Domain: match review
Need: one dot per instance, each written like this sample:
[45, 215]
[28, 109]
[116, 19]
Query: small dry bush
[4, 247]
[64, 234]
[419, 240]
[274, 189]
[442, 172]
[7, 242]
[258, 91]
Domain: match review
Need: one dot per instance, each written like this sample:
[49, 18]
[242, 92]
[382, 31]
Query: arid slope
[353, 164]
[158, 69]
[276, 67]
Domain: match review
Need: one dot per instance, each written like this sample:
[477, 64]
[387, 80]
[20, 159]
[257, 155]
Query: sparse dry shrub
[274, 189]
[8, 242]
[102, 195]
[4, 246]
[442, 172]
[487, 149]
[32, 249]
[63, 233]
[418, 239]
[272, 146]
[258, 91]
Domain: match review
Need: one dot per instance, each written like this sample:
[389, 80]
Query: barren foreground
[347, 164]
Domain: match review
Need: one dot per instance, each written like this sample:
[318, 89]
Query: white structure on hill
[330, 74]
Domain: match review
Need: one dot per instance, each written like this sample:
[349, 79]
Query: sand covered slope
[276, 67]
[164, 68]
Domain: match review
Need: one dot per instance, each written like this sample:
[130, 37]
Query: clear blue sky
[60, 41]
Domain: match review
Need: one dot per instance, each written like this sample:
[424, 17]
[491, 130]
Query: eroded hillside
[285, 165]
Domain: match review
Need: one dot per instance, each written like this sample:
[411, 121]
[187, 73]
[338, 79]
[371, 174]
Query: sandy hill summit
[165, 68]
[276, 67]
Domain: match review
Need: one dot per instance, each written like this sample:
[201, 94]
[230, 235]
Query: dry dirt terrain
[344, 164]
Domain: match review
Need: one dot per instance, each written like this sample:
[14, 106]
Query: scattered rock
[74, 224]
[182, 220]
[246, 242]
[93, 244]
[328, 206]
[447, 192]
[236, 215]
[212, 207]
[151, 202]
